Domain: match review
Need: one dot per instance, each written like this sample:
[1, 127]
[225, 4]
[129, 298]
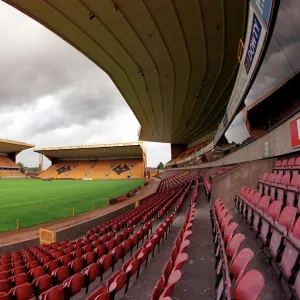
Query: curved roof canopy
[174, 61]
[7, 146]
[104, 151]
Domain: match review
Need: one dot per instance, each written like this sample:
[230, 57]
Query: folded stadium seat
[229, 232]
[73, 285]
[243, 196]
[234, 246]
[280, 230]
[51, 266]
[251, 206]
[77, 253]
[45, 259]
[250, 286]
[268, 219]
[32, 265]
[282, 187]
[158, 289]
[281, 169]
[240, 263]
[246, 202]
[42, 284]
[289, 260]
[126, 247]
[296, 286]
[277, 166]
[268, 182]
[173, 279]
[37, 272]
[4, 285]
[61, 274]
[116, 254]
[105, 263]
[22, 292]
[19, 279]
[289, 166]
[18, 270]
[5, 267]
[118, 283]
[225, 222]
[110, 245]
[258, 211]
[55, 293]
[90, 274]
[87, 248]
[274, 186]
[96, 243]
[76, 265]
[88, 258]
[4, 275]
[4, 296]
[261, 182]
[65, 259]
[296, 167]
[292, 191]
[100, 294]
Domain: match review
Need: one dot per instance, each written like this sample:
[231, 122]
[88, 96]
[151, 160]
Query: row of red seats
[279, 231]
[280, 187]
[43, 269]
[175, 180]
[166, 207]
[121, 278]
[171, 273]
[231, 263]
[291, 166]
[44, 258]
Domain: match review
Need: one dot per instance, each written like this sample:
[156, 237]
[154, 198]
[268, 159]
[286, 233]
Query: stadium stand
[8, 152]
[128, 164]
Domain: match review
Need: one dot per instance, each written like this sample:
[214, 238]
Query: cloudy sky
[52, 95]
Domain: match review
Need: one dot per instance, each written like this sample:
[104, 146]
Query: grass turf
[35, 201]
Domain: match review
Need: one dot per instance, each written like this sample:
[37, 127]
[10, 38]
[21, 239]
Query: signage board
[265, 8]
[295, 132]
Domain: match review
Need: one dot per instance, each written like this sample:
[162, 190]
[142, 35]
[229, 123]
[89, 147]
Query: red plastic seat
[4, 296]
[173, 279]
[274, 185]
[37, 272]
[251, 206]
[116, 254]
[19, 279]
[89, 258]
[4, 275]
[105, 263]
[77, 253]
[57, 255]
[282, 187]
[250, 286]
[91, 273]
[290, 253]
[22, 292]
[229, 232]
[32, 265]
[51, 266]
[76, 265]
[73, 285]
[234, 246]
[292, 191]
[5, 267]
[280, 230]
[167, 270]
[4, 285]
[61, 274]
[158, 289]
[267, 184]
[18, 270]
[55, 293]
[226, 221]
[100, 250]
[296, 286]
[87, 248]
[110, 245]
[42, 284]
[180, 260]
[258, 211]
[262, 181]
[268, 219]
[240, 263]
[100, 294]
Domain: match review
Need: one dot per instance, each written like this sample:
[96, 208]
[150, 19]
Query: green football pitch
[33, 202]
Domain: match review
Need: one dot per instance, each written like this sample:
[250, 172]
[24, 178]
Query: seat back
[274, 209]
[288, 217]
[250, 286]
[240, 263]
[229, 232]
[234, 245]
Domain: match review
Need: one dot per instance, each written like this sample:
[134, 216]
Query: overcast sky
[52, 95]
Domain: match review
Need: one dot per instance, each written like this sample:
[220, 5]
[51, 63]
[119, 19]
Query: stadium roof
[104, 151]
[7, 146]
[173, 61]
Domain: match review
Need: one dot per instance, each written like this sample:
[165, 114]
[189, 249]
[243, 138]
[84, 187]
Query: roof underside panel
[174, 62]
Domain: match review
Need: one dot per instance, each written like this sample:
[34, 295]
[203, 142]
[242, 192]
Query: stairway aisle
[198, 273]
